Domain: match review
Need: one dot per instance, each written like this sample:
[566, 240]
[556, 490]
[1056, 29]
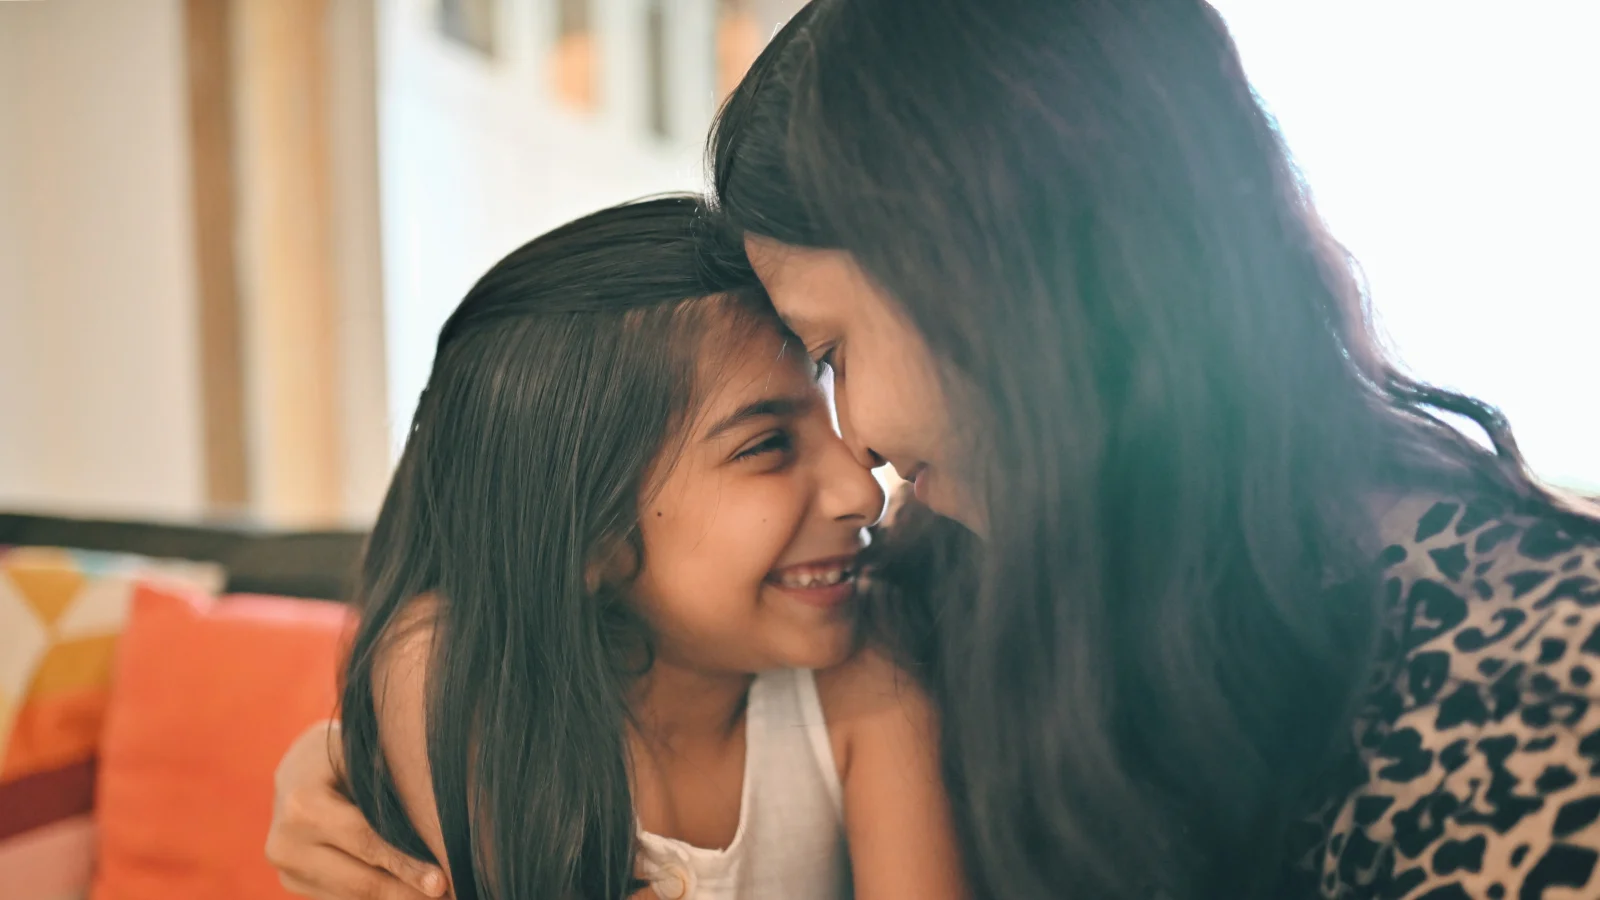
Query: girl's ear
[615, 561]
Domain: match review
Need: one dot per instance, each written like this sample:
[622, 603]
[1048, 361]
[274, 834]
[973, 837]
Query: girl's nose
[850, 492]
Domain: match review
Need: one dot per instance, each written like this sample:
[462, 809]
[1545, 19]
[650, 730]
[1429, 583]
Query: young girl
[621, 539]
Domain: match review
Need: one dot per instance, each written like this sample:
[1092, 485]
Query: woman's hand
[319, 842]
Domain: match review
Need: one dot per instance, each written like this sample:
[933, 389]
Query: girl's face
[886, 383]
[750, 538]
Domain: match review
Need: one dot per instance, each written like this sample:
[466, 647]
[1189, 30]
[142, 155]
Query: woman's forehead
[805, 284]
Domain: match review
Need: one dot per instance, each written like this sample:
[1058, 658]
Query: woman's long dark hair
[558, 383]
[1086, 212]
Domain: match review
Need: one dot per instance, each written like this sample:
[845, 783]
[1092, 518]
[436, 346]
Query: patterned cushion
[61, 612]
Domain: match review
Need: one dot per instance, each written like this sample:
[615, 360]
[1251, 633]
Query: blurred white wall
[479, 155]
[99, 398]
[101, 402]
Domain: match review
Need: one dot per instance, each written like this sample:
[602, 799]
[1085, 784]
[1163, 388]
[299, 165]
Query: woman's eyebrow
[776, 407]
[799, 325]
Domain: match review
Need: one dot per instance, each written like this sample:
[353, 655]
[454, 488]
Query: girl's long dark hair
[1089, 217]
[557, 384]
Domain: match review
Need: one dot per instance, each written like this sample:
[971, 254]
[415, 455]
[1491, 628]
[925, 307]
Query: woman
[1250, 619]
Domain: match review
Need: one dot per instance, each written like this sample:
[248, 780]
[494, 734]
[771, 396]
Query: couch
[151, 675]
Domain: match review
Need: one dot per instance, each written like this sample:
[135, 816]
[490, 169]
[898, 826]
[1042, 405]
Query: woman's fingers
[341, 877]
[354, 836]
[321, 845]
[312, 822]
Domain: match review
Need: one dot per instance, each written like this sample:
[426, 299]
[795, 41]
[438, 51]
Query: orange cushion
[207, 696]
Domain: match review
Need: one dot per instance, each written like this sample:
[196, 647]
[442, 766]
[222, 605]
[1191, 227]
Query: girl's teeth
[814, 579]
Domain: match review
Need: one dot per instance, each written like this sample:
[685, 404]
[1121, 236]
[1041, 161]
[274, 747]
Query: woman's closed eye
[823, 358]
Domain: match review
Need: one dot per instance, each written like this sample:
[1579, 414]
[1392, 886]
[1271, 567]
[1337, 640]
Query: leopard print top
[1477, 773]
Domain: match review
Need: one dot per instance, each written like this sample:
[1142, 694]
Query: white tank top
[790, 844]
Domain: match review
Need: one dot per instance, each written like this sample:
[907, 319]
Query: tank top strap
[786, 721]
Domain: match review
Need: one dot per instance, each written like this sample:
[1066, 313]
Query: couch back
[318, 564]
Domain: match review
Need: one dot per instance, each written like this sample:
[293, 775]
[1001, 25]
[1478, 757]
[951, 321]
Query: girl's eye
[777, 442]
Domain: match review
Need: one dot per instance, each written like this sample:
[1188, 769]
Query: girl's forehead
[764, 363]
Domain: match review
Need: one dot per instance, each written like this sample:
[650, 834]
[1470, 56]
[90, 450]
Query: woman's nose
[864, 455]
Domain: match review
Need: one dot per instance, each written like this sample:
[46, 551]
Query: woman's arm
[897, 815]
[319, 842]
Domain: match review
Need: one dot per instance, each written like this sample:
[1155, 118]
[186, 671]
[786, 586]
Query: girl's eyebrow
[775, 407]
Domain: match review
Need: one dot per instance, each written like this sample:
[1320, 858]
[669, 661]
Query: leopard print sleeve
[1479, 772]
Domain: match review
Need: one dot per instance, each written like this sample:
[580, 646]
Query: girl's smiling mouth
[821, 582]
